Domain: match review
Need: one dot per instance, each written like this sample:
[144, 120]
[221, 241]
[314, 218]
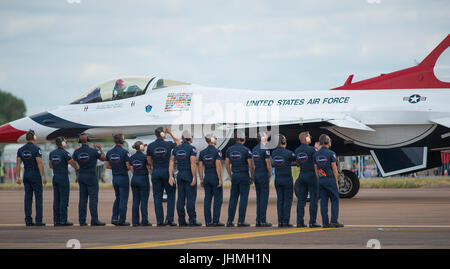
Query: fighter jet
[401, 118]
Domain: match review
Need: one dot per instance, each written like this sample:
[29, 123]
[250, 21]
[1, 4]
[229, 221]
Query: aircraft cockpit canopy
[121, 88]
[114, 89]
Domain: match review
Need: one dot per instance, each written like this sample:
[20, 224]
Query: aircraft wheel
[348, 184]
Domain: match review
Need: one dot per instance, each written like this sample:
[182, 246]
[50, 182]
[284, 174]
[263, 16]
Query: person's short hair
[83, 138]
[282, 140]
[158, 131]
[59, 141]
[31, 135]
[137, 145]
[118, 139]
[186, 135]
[324, 139]
[240, 136]
[209, 137]
[302, 136]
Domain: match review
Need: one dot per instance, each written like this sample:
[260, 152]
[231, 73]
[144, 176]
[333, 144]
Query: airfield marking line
[397, 226]
[212, 238]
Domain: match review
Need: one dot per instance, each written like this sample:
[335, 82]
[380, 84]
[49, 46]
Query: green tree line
[11, 107]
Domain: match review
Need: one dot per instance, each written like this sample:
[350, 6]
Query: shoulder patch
[268, 152]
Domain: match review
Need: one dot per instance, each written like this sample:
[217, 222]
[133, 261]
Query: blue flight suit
[117, 158]
[327, 185]
[281, 161]
[32, 180]
[208, 157]
[187, 194]
[262, 181]
[61, 185]
[160, 151]
[87, 157]
[240, 180]
[140, 185]
[307, 182]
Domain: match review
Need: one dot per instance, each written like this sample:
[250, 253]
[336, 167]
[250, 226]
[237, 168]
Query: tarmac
[384, 218]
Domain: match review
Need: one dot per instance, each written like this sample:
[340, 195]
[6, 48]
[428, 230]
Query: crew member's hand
[98, 146]
[220, 183]
[201, 183]
[44, 180]
[317, 145]
[171, 181]
[251, 181]
[194, 182]
[18, 180]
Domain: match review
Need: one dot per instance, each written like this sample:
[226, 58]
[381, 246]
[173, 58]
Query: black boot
[98, 223]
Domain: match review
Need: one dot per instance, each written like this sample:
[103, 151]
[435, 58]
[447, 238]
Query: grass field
[404, 182]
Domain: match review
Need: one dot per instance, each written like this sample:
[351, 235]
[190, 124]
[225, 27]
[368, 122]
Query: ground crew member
[185, 156]
[307, 181]
[238, 160]
[140, 185]
[33, 177]
[211, 179]
[118, 160]
[263, 171]
[87, 157]
[282, 158]
[59, 159]
[158, 157]
[327, 174]
[2, 172]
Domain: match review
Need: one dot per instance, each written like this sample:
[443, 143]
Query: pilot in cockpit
[119, 89]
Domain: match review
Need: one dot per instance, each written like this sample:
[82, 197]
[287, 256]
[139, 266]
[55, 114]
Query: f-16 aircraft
[401, 118]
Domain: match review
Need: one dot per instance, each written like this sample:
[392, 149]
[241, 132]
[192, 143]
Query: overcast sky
[51, 51]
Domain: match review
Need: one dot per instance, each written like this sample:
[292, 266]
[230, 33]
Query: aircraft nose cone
[9, 134]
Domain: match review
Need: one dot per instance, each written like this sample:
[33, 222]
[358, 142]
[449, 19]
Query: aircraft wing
[340, 120]
[442, 121]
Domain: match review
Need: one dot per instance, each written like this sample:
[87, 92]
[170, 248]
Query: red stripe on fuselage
[9, 134]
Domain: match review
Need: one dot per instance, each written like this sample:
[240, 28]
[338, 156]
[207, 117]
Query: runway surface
[397, 218]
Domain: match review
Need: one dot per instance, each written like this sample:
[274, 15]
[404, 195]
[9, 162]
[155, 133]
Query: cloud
[312, 50]
[92, 71]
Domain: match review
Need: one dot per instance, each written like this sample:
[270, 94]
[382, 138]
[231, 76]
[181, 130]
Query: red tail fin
[421, 76]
